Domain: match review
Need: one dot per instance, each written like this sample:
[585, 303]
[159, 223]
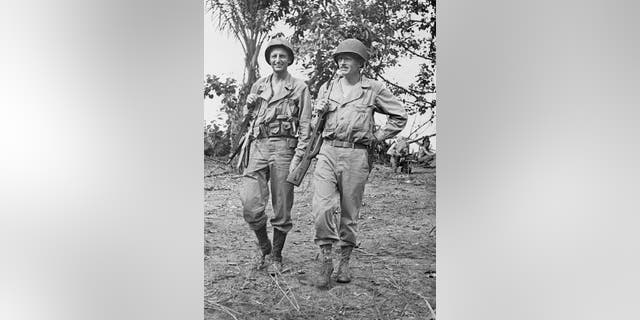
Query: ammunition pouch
[282, 126]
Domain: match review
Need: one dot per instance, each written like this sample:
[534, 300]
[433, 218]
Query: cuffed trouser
[269, 160]
[339, 179]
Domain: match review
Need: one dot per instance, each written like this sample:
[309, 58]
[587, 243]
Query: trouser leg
[255, 193]
[351, 182]
[281, 190]
[325, 201]
[254, 196]
[281, 199]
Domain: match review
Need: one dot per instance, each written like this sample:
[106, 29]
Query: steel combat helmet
[351, 46]
[278, 42]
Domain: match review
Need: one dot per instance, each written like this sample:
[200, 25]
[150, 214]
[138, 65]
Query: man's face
[348, 64]
[279, 59]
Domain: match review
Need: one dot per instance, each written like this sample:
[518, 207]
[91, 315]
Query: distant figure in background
[426, 157]
[378, 150]
[398, 151]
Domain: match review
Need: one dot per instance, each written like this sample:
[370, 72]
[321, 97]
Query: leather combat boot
[264, 245]
[326, 267]
[344, 276]
[279, 238]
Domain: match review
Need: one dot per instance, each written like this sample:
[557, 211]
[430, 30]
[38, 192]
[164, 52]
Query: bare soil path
[393, 267]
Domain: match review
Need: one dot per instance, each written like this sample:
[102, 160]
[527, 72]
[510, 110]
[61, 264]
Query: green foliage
[249, 21]
[216, 142]
[232, 102]
[391, 29]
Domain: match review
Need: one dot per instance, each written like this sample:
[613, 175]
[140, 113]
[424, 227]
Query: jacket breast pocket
[362, 123]
[362, 108]
[291, 107]
[331, 121]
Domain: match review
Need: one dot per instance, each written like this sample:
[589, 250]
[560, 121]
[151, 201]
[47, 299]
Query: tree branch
[430, 103]
[413, 124]
[415, 53]
[395, 85]
[412, 92]
[418, 128]
[422, 125]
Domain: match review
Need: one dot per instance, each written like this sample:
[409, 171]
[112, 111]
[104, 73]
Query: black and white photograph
[319, 159]
[313, 192]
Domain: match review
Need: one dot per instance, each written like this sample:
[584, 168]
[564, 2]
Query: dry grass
[391, 267]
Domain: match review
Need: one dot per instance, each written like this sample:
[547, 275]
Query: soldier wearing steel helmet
[343, 165]
[282, 113]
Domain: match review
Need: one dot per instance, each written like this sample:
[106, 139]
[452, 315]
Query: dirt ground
[393, 267]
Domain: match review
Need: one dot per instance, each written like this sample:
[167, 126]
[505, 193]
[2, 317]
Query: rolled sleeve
[387, 103]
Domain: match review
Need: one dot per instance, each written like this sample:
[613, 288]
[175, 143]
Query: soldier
[397, 151]
[282, 109]
[342, 166]
[425, 155]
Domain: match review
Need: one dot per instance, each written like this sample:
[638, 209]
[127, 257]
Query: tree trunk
[251, 63]
[251, 75]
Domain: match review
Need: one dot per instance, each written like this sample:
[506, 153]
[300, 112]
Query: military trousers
[339, 179]
[268, 167]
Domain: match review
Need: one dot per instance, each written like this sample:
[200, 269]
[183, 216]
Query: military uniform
[343, 165]
[278, 140]
[281, 131]
[397, 151]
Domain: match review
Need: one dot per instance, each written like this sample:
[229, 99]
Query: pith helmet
[352, 46]
[279, 42]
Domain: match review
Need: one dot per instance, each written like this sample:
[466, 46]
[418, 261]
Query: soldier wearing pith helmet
[281, 107]
[343, 166]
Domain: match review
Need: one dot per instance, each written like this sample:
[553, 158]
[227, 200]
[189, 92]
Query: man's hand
[251, 98]
[323, 106]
